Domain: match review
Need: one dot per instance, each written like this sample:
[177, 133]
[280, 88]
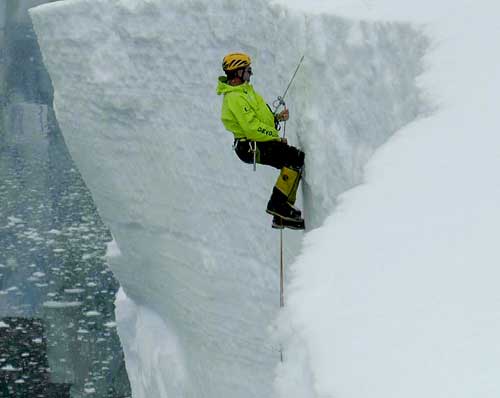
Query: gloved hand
[283, 115]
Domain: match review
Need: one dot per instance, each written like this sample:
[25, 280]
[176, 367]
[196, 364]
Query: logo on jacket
[264, 131]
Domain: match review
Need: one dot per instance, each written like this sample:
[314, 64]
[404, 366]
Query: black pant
[271, 153]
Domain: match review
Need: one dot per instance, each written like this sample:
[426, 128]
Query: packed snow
[394, 291]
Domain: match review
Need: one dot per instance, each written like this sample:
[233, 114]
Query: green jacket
[245, 113]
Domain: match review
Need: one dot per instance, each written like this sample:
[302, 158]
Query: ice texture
[142, 121]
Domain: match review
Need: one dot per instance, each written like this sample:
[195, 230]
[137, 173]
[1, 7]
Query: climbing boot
[279, 223]
[278, 206]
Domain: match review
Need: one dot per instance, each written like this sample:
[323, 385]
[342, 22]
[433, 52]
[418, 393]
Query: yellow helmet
[235, 61]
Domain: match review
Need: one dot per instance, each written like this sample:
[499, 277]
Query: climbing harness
[254, 151]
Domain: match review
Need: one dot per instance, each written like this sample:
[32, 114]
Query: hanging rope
[280, 101]
[282, 272]
[282, 283]
[254, 150]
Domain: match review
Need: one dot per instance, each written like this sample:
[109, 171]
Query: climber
[257, 139]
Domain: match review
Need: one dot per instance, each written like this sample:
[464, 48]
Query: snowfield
[392, 292]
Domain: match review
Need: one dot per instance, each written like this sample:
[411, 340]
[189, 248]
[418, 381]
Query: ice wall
[135, 98]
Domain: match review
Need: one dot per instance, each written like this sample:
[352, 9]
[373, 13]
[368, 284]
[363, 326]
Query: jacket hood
[224, 88]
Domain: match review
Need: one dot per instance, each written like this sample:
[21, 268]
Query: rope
[254, 150]
[280, 101]
[282, 283]
[282, 272]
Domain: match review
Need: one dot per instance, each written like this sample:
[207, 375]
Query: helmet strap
[242, 75]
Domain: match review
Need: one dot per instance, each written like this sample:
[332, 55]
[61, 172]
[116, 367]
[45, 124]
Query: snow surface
[394, 293]
[155, 361]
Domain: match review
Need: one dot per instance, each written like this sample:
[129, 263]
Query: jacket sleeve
[254, 129]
